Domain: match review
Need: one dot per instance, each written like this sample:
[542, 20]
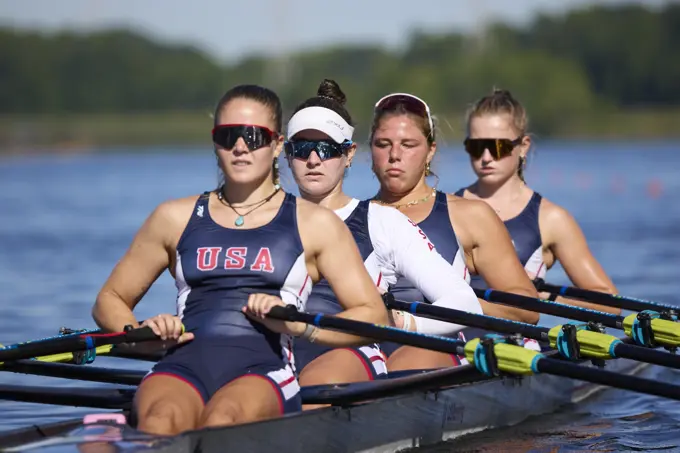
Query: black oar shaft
[647, 355]
[80, 372]
[73, 343]
[133, 355]
[610, 300]
[469, 319]
[550, 308]
[608, 378]
[69, 396]
[622, 350]
[381, 333]
[541, 365]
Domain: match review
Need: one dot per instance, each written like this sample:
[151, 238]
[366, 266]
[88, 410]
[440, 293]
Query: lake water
[66, 220]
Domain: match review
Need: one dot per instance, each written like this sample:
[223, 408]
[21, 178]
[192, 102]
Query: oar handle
[610, 300]
[133, 335]
[287, 313]
[367, 330]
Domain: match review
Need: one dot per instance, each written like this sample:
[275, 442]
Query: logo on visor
[338, 125]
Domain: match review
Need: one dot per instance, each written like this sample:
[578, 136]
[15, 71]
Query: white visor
[320, 119]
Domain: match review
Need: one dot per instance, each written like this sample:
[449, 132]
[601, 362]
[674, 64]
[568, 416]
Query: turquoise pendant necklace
[240, 220]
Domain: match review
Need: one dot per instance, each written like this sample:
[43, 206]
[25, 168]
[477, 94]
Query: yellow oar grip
[591, 344]
[511, 358]
[666, 332]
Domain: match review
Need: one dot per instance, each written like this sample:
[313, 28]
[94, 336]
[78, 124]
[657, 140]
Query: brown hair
[502, 102]
[256, 93]
[405, 107]
[264, 96]
[330, 96]
[402, 108]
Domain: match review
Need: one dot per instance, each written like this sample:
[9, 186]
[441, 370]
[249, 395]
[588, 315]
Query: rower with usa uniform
[543, 233]
[235, 253]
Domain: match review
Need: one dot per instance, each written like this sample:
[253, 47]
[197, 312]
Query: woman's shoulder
[175, 209]
[470, 207]
[553, 217]
[310, 213]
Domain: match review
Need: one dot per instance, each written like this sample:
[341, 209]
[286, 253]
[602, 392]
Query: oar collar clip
[485, 355]
[567, 342]
[80, 357]
[642, 331]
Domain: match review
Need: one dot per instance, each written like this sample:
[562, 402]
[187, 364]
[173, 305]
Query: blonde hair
[502, 102]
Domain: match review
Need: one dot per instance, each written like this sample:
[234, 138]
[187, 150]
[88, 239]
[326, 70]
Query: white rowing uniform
[393, 247]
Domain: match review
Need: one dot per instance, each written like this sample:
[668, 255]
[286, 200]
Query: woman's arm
[566, 241]
[411, 254]
[145, 260]
[331, 252]
[495, 259]
[339, 261]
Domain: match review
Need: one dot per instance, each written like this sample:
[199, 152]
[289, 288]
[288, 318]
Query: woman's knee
[164, 417]
[408, 358]
[246, 399]
[226, 413]
[335, 367]
[166, 405]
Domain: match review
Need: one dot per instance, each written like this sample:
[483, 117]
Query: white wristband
[308, 331]
[407, 321]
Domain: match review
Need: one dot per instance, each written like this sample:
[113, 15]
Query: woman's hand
[402, 320]
[168, 327]
[396, 318]
[543, 294]
[259, 305]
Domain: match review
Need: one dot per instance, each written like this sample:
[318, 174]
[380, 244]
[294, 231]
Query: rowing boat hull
[383, 425]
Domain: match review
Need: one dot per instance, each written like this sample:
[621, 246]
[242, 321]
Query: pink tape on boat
[96, 418]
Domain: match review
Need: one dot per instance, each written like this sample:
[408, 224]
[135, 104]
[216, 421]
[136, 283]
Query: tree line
[597, 59]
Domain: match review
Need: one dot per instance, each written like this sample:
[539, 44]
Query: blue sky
[230, 29]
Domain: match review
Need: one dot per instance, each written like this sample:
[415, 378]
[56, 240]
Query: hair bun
[330, 89]
[503, 93]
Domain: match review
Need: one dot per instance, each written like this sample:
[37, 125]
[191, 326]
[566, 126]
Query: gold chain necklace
[240, 220]
[410, 203]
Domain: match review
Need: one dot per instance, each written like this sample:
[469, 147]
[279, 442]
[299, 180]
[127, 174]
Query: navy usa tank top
[218, 268]
[437, 226]
[322, 299]
[526, 238]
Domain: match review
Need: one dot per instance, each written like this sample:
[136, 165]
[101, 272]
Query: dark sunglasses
[409, 102]
[302, 149]
[256, 137]
[498, 147]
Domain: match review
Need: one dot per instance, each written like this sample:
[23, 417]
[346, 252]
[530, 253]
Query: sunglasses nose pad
[491, 154]
[240, 145]
[314, 157]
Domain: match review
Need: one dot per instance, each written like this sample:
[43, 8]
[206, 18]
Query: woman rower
[467, 233]
[319, 151]
[235, 253]
[542, 232]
